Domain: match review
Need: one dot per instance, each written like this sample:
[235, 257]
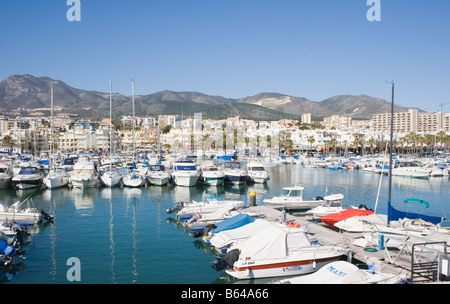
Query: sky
[305, 48]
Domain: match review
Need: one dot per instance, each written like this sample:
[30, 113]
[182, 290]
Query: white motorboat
[85, 174]
[18, 214]
[291, 198]
[275, 252]
[234, 173]
[224, 239]
[410, 169]
[342, 272]
[133, 179]
[257, 173]
[211, 174]
[158, 175]
[332, 204]
[56, 178]
[185, 173]
[6, 174]
[111, 177]
[186, 210]
[28, 177]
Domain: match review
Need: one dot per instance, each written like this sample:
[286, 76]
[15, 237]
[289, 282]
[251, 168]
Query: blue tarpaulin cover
[394, 215]
[233, 222]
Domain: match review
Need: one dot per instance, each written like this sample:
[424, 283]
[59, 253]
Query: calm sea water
[125, 236]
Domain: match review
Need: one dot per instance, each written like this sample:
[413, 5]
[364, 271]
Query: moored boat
[275, 252]
[291, 198]
[158, 175]
[211, 175]
[185, 173]
[257, 173]
[6, 174]
[56, 178]
[85, 174]
[332, 219]
[234, 173]
[27, 178]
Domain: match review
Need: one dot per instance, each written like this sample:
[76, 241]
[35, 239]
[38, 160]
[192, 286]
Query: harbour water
[125, 236]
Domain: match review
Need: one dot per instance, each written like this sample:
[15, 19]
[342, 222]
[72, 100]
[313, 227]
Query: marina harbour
[124, 235]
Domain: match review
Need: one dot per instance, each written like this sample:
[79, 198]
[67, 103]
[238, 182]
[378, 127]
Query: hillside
[26, 94]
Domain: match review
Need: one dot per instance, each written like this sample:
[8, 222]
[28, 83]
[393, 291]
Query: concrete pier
[327, 236]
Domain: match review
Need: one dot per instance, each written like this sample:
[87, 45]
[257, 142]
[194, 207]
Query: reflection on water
[124, 235]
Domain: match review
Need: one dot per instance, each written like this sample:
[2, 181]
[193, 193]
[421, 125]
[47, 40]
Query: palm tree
[8, 141]
[372, 143]
[311, 140]
[440, 138]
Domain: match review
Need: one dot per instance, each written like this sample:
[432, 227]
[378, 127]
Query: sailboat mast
[132, 99]
[110, 126]
[51, 125]
[390, 149]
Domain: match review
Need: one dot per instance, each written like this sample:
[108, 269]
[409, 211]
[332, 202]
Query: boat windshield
[232, 165]
[185, 168]
[295, 193]
[28, 170]
[256, 168]
[84, 171]
[3, 170]
[156, 168]
[210, 169]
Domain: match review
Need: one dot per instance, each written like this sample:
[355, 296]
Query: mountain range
[29, 95]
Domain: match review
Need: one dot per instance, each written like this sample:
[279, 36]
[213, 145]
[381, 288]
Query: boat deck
[327, 236]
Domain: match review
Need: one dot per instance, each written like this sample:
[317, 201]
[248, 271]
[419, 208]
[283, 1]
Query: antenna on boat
[390, 148]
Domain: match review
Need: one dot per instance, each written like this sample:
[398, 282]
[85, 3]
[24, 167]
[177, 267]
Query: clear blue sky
[306, 48]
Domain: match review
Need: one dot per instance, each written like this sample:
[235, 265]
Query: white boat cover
[340, 272]
[362, 223]
[227, 237]
[271, 242]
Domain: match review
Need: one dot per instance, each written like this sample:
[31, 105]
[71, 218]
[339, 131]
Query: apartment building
[337, 122]
[411, 121]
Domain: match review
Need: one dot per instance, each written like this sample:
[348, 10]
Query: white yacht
[185, 173]
[133, 179]
[410, 169]
[111, 177]
[56, 178]
[85, 174]
[6, 174]
[211, 174]
[234, 173]
[157, 175]
[27, 178]
[291, 198]
[257, 173]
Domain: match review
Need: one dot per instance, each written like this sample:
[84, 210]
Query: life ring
[292, 224]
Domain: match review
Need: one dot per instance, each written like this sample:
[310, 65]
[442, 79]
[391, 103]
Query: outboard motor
[227, 261]
[176, 208]
[8, 240]
[205, 231]
[46, 216]
[7, 253]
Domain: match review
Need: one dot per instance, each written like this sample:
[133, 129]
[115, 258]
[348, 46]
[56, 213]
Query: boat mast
[110, 125]
[390, 148]
[51, 125]
[132, 100]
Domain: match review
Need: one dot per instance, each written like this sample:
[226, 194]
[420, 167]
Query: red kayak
[331, 219]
